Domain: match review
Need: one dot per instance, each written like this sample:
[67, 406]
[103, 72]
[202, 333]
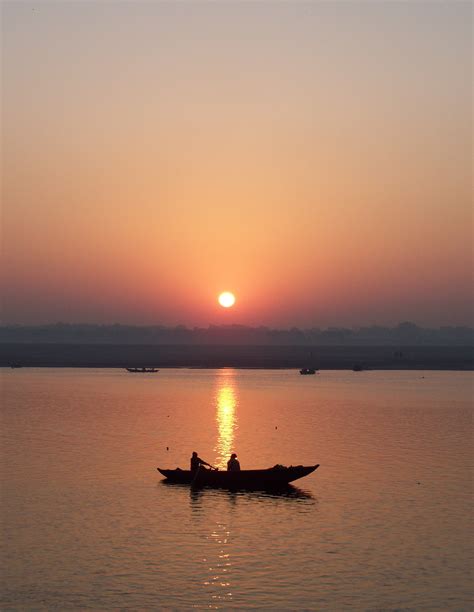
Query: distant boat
[142, 370]
[14, 366]
[274, 477]
[358, 368]
[306, 371]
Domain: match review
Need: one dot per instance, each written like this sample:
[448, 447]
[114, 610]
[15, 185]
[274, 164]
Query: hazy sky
[312, 157]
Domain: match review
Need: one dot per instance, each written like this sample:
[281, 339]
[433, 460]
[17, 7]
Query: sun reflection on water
[218, 581]
[216, 553]
[218, 561]
[226, 419]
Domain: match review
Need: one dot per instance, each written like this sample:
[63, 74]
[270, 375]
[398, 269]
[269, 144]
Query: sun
[226, 299]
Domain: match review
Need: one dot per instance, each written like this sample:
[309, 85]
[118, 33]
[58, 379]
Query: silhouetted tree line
[404, 334]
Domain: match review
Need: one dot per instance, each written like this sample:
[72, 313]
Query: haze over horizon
[404, 334]
[313, 158]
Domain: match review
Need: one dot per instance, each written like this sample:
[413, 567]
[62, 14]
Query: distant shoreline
[237, 356]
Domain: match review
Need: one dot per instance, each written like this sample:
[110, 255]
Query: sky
[314, 158]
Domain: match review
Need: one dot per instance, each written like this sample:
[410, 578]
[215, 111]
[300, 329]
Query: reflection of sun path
[226, 420]
[219, 580]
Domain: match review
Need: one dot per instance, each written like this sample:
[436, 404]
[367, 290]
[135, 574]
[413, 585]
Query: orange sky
[314, 158]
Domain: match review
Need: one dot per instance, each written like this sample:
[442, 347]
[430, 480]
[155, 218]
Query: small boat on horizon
[142, 370]
[306, 371]
[277, 476]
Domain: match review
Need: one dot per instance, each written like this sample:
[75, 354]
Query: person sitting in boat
[197, 461]
[233, 464]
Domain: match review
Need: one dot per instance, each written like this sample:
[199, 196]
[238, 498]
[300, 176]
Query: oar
[193, 481]
[195, 475]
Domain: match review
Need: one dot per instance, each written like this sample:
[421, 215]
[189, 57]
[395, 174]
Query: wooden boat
[306, 371]
[274, 477]
[142, 370]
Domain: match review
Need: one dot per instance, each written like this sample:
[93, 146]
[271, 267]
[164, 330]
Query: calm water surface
[384, 523]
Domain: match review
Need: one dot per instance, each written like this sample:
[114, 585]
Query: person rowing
[197, 461]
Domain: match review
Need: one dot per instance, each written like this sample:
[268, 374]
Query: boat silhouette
[277, 476]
